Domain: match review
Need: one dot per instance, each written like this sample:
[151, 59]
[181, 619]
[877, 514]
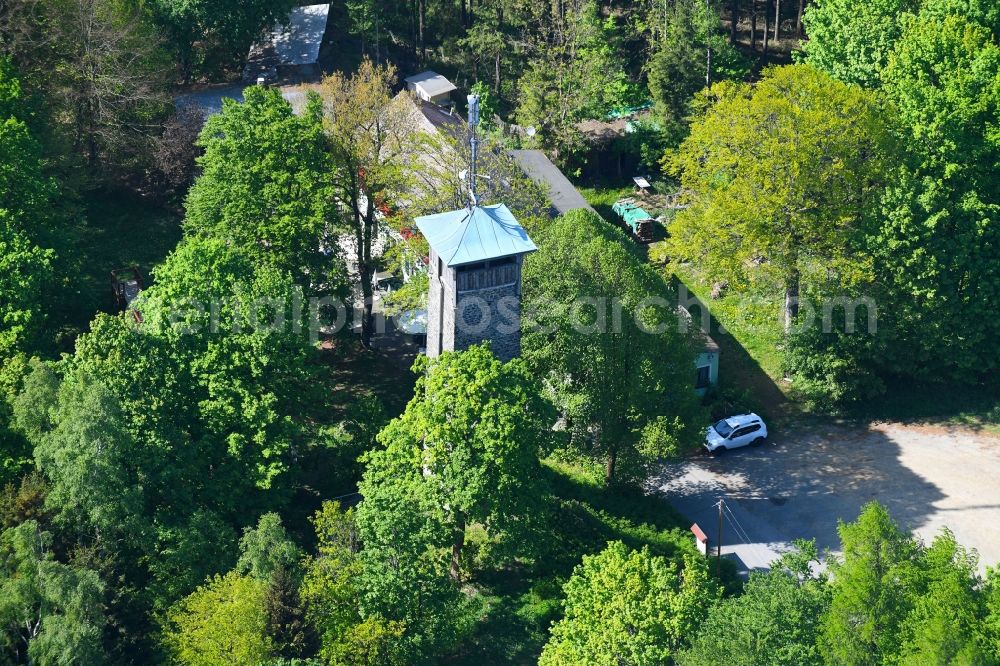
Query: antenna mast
[474, 143]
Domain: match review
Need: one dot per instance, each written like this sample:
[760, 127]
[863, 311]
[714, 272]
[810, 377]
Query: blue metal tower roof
[466, 236]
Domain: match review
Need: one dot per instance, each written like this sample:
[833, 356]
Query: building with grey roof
[562, 194]
[431, 87]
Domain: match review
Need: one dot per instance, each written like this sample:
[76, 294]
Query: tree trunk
[422, 20]
[609, 470]
[791, 298]
[798, 19]
[455, 571]
[767, 26]
[777, 20]
[734, 19]
[366, 270]
[413, 27]
[753, 25]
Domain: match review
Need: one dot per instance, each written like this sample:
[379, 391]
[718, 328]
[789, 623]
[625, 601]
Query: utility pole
[718, 544]
[473, 101]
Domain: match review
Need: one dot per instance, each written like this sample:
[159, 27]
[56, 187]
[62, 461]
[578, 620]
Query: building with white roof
[431, 87]
[291, 50]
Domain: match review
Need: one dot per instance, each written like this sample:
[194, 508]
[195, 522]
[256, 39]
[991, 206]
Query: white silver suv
[734, 432]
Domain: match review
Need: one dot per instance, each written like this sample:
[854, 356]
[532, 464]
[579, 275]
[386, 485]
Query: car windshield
[723, 428]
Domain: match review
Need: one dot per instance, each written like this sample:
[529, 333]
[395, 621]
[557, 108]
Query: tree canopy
[254, 192]
[629, 607]
[465, 451]
[26, 222]
[603, 331]
[783, 180]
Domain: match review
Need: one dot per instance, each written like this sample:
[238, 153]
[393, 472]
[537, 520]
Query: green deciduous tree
[834, 355]
[267, 548]
[466, 450]
[25, 270]
[871, 599]
[265, 187]
[222, 622]
[784, 178]
[331, 590]
[50, 612]
[403, 570]
[851, 39]
[26, 196]
[604, 334]
[94, 466]
[473, 435]
[944, 626]
[937, 244]
[329, 587]
[775, 621]
[163, 435]
[249, 615]
[221, 328]
[629, 607]
[370, 138]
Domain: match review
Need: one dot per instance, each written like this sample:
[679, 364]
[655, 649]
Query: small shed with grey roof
[562, 194]
[707, 350]
[431, 87]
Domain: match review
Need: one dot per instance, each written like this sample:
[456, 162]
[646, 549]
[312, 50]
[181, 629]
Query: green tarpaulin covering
[631, 213]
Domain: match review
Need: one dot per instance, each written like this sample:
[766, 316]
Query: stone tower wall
[455, 321]
[502, 307]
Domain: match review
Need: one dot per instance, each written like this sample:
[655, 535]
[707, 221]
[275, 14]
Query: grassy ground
[975, 407]
[384, 372]
[121, 230]
[518, 604]
[750, 363]
[748, 330]
[602, 198]
[752, 320]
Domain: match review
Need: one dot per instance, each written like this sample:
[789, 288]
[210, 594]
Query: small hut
[431, 87]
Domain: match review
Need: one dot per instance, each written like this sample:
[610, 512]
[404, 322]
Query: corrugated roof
[432, 83]
[298, 42]
[466, 236]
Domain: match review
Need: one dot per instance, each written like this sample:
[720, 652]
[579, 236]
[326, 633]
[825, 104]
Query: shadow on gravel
[799, 485]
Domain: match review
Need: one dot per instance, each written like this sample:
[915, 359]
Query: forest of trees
[189, 486]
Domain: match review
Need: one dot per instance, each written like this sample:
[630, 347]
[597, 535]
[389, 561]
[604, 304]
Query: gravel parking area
[801, 482]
